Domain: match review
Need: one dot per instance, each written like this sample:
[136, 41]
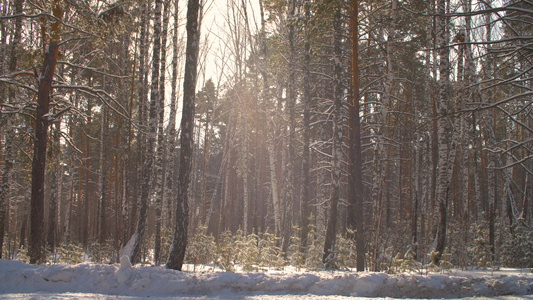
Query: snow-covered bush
[247, 252]
[295, 256]
[201, 247]
[517, 249]
[345, 253]
[315, 250]
[69, 254]
[225, 252]
[22, 255]
[102, 252]
[271, 255]
[480, 249]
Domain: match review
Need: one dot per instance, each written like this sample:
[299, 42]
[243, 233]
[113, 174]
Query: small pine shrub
[296, 257]
[247, 252]
[480, 250]
[102, 252]
[201, 248]
[345, 253]
[271, 255]
[409, 264]
[432, 266]
[517, 250]
[22, 255]
[225, 252]
[396, 266]
[70, 254]
[315, 250]
[445, 260]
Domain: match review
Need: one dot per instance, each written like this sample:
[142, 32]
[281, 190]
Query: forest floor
[122, 281]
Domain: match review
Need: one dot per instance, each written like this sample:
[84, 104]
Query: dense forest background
[398, 130]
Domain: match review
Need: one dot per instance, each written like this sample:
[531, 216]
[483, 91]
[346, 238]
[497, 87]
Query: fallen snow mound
[125, 280]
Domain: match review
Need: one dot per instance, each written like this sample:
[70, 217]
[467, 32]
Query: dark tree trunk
[356, 188]
[179, 244]
[37, 234]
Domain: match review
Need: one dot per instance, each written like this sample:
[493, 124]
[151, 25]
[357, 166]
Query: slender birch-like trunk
[137, 238]
[161, 141]
[171, 127]
[179, 244]
[445, 134]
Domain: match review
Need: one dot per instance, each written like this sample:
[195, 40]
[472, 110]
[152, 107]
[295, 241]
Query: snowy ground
[99, 281]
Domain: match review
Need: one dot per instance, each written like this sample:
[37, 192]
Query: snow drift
[125, 280]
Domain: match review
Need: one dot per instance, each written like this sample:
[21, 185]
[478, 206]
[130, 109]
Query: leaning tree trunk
[37, 235]
[179, 244]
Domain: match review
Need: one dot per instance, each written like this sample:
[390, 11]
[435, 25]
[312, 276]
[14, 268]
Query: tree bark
[5, 192]
[55, 174]
[138, 237]
[445, 131]
[356, 192]
[161, 141]
[304, 202]
[336, 162]
[36, 245]
[179, 244]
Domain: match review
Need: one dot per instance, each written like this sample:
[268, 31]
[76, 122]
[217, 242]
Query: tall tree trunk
[137, 238]
[161, 142]
[171, 127]
[8, 149]
[356, 192]
[101, 179]
[55, 174]
[337, 153]
[304, 202]
[179, 244]
[36, 245]
[26, 213]
[445, 131]
[141, 98]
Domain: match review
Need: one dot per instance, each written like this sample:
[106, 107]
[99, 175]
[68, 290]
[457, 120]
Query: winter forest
[373, 135]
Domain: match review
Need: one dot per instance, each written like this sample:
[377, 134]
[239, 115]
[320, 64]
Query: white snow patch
[128, 249]
[123, 281]
[123, 274]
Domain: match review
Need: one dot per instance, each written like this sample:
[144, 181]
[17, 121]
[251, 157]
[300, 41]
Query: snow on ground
[122, 281]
